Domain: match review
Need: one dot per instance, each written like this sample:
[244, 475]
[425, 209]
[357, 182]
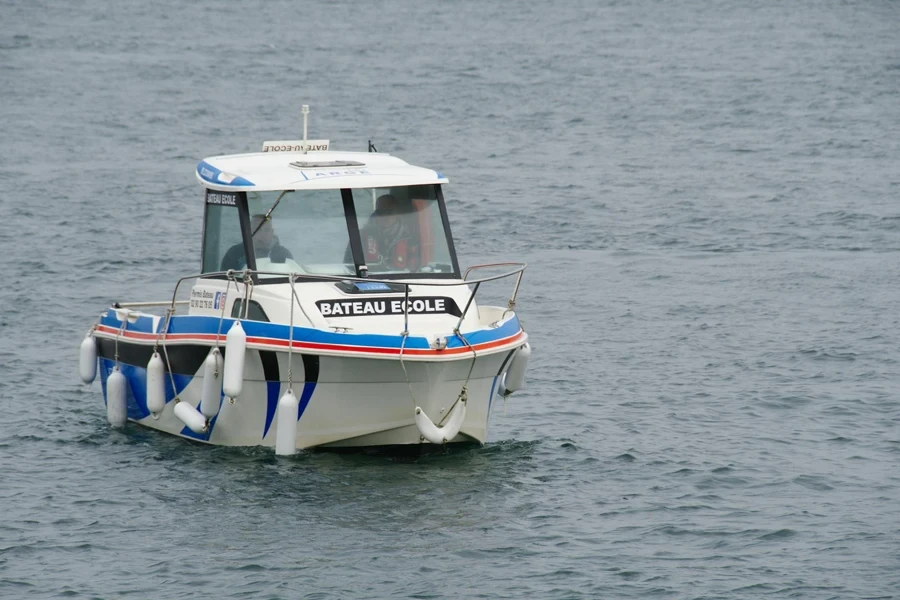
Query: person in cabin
[388, 242]
[265, 245]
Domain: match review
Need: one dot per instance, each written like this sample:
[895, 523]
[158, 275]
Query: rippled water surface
[706, 195]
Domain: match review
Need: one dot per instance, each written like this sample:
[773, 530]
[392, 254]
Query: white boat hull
[344, 401]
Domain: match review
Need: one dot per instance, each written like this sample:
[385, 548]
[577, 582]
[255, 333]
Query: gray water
[707, 197]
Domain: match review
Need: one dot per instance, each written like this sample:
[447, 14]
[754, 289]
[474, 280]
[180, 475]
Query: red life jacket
[372, 254]
[403, 256]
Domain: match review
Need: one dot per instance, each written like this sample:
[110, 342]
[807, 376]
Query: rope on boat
[222, 314]
[464, 392]
[216, 350]
[297, 298]
[511, 304]
[165, 330]
[248, 292]
[118, 333]
[412, 396]
[291, 337]
[231, 277]
[405, 334]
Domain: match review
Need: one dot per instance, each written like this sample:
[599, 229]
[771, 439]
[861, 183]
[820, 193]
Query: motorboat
[330, 311]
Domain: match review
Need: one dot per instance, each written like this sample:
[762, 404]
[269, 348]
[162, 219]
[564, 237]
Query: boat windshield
[402, 231]
[300, 232]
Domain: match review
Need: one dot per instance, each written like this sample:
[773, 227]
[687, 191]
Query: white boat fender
[211, 394]
[286, 428]
[235, 347]
[441, 435]
[156, 385]
[88, 359]
[191, 417]
[116, 408]
[514, 378]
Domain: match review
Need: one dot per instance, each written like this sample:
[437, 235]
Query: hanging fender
[441, 435]
[514, 378]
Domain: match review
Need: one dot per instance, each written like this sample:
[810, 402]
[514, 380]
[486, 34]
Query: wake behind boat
[330, 311]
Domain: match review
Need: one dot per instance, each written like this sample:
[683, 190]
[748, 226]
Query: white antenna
[304, 110]
[296, 145]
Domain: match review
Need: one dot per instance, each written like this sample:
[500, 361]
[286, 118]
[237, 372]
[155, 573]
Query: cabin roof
[266, 171]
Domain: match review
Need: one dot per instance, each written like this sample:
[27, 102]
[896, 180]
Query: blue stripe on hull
[272, 389]
[203, 325]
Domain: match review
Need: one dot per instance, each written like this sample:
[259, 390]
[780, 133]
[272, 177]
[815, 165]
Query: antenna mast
[304, 110]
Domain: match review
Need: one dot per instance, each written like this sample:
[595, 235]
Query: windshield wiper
[269, 212]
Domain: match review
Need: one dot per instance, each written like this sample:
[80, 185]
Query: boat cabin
[354, 214]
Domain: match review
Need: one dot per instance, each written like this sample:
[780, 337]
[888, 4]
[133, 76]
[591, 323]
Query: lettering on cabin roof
[296, 146]
[307, 175]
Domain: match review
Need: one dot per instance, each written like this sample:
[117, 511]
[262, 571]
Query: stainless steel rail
[148, 304]
[246, 278]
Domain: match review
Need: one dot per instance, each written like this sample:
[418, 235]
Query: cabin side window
[222, 241]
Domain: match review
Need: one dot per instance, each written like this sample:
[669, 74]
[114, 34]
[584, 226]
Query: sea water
[706, 194]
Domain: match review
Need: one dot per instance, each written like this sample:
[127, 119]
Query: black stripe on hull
[185, 359]
[506, 361]
[310, 368]
[269, 365]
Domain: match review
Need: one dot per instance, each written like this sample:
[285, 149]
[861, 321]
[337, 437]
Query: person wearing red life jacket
[387, 240]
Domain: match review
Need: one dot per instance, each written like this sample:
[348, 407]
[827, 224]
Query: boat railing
[248, 278]
[158, 303]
